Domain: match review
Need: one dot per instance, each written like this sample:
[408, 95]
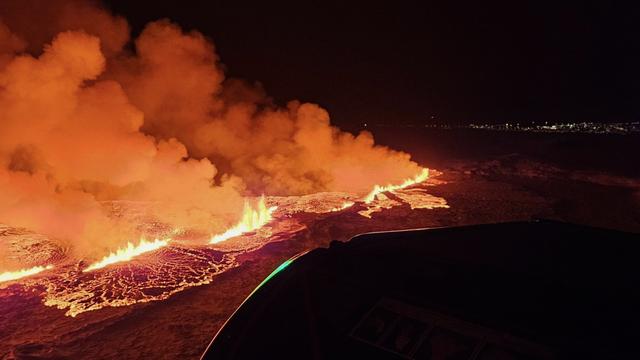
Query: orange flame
[252, 220]
[422, 176]
[345, 205]
[128, 253]
[15, 275]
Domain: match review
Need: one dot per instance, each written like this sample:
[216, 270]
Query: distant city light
[581, 127]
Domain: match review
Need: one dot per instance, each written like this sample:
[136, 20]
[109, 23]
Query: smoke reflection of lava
[121, 121]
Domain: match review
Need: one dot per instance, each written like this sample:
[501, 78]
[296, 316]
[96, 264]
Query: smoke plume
[85, 120]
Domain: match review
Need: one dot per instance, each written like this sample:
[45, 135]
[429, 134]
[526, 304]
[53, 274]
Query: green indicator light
[282, 266]
[275, 272]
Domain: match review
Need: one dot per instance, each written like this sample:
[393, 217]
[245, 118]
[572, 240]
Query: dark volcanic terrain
[503, 185]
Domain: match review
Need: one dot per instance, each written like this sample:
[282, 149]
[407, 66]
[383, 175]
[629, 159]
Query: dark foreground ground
[490, 177]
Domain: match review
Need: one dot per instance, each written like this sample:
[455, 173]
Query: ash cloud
[84, 119]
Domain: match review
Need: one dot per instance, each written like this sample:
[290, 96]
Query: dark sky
[463, 62]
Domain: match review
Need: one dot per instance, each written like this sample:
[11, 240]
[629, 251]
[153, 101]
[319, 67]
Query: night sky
[397, 63]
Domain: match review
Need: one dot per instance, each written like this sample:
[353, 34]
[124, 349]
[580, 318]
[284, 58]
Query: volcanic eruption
[107, 141]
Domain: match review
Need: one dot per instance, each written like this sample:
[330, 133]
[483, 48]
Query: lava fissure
[252, 220]
[19, 274]
[104, 137]
[128, 253]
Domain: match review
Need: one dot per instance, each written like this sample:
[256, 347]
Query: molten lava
[422, 176]
[15, 275]
[179, 266]
[128, 253]
[345, 205]
[252, 220]
[122, 141]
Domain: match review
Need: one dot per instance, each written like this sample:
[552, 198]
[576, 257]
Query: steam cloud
[84, 120]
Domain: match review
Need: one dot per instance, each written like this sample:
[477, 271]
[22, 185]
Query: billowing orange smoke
[85, 122]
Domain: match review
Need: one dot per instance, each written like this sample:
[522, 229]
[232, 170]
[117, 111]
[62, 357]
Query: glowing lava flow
[128, 253]
[15, 275]
[345, 205]
[252, 220]
[422, 176]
